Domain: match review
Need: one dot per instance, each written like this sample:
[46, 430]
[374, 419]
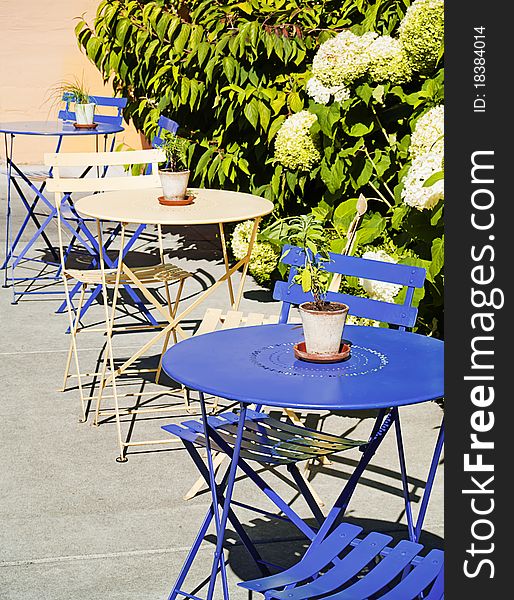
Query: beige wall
[38, 49]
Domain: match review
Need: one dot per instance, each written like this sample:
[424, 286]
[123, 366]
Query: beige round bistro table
[141, 207]
[209, 207]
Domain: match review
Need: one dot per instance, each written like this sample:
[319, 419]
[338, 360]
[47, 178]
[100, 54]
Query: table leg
[225, 260]
[430, 482]
[219, 560]
[403, 474]
[382, 425]
[246, 263]
[108, 330]
[8, 209]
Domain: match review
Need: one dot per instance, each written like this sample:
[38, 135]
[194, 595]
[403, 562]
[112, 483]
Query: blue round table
[15, 174]
[55, 128]
[387, 369]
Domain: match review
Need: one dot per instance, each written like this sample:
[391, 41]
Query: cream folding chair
[160, 274]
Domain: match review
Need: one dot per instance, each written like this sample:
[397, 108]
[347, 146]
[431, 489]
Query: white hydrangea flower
[343, 59]
[295, 146]
[421, 33]
[241, 239]
[428, 134]
[380, 290]
[265, 256]
[423, 167]
[388, 61]
[322, 94]
[352, 320]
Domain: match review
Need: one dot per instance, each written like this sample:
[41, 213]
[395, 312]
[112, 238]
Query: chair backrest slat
[85, 160]
[101, 159]
[402, 315]
[354, 266]
[164, 124]
[119, 103]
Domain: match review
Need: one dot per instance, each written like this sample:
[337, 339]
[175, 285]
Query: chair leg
[197, 486]
[173, 311]
[101, 387]
[74, 346]
[73, 333]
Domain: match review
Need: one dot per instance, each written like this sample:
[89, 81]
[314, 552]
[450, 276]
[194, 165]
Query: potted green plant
[323, 321]
[174, 173]
[76, 91]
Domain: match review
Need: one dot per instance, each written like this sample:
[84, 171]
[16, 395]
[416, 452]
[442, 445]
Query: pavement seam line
[76, 557]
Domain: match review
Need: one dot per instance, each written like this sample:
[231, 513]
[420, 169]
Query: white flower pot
[323, 329]
[174, 184]
[85, 113]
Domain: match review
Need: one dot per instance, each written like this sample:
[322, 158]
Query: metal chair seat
[266, 440]
[159, 273]
[345, 567]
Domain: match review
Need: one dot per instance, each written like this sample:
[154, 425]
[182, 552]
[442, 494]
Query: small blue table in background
[16, 176]
[387, 369]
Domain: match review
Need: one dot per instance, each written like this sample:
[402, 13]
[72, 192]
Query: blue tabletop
[386, 368]
[55, 128]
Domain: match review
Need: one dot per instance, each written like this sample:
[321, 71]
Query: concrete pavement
[77, 524]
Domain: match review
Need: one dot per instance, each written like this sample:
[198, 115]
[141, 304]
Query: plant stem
[378, 177]
[382, 197]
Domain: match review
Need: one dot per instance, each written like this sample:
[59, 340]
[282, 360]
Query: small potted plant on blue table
[323, 321]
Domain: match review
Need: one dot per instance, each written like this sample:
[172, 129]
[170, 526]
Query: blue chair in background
[272, 442]
[118, 104]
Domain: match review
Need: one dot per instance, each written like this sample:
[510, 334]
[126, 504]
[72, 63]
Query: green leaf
[370, 229]
[365, 174]
[360, 129]
[434, 178]
[184, 90]
[333, 175]
[229, 67]
[344, 214]
[438, 214]
[378, 94]
[265, 115]
[203, 51]
[399, 214]
[306, 280]
[181, 39]
[294, 102]
[121, 31]
[275, 126]
[162, 26]
[251, 112]
[93, 47]
[437, 252]
[203, 161]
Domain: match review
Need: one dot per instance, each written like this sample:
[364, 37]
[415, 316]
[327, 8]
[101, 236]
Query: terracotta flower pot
[174, 184]
[323, 329]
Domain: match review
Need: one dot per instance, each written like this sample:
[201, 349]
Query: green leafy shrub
[232, 72]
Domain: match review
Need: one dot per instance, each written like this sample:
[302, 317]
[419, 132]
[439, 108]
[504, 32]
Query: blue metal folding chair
[15, 258]
[346, 567]
[270, 442]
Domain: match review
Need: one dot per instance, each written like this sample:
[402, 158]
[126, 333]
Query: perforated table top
[386, 368]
